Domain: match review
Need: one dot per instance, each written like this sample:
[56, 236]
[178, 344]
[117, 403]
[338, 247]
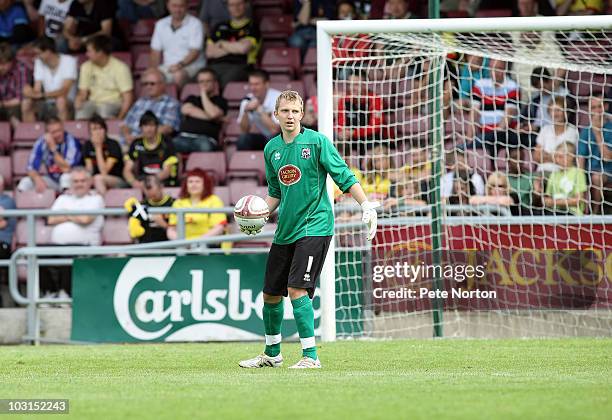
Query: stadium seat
[247, 164]
[232, 131]
[113, 128]
[5, 136]
[310, 61]
[42, 232]
[310, 85]
[240, 188]
[584, 85]
[19, 160]
[141, 63]
[223, 193]
[296, 85]
[142, 31]
[78, 129]
[27, 133]
[35, 200]
[212, 162]
[115, 197]
[281, 60]
[190, 89]
[279, 78]
[235, 92]
[276, 28]
[115, 231]
[6, 170]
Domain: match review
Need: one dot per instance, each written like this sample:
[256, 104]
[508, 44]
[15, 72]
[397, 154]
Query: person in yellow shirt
[196, 192]
[579, 7]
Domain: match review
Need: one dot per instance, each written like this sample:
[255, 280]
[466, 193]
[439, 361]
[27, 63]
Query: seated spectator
[57, 151]
[566, 188]
[197, 192]
[498, 96]
[257, 111]
[398, 9]
[552, 135]
[14, 76]
[359, 114]
[519, 181]
[419, 165]
[145, 227]
[346, 10]
[595, 152]
[103, 157]
[54, 84]
[52, 14]
[88, 19]
[202, 116]
[7, 230]
[579, 7]
[179, 39]
[105, 83]
[151, 154]
[498, 193]
[306, 15]
[311, 112]
[407, 193]
[378, 174]
[473, 68]
[14, 23]
[457, 163]
[74, 230]
[134, 10]
[153, 98]
[535, 113]
[233, 45]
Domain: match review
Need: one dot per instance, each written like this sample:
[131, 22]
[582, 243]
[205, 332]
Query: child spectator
[566, 188]
[103, 157]
[498, 193]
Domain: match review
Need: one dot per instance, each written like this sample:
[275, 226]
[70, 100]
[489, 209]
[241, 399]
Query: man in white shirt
[54, 87]
[257, 113]
[77, 230]
[179, 37]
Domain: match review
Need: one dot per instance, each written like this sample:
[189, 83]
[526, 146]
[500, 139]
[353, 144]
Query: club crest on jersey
[289, 174]
[306, 153]
[277, 156]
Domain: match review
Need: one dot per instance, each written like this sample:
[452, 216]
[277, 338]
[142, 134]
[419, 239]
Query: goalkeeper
[298, 161]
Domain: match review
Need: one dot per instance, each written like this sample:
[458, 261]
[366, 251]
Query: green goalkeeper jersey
[296, 174]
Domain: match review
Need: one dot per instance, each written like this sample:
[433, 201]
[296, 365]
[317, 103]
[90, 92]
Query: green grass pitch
[471, 379]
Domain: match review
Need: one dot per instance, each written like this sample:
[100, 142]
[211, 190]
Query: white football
[251, 213]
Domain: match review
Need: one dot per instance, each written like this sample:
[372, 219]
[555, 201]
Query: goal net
[489, 151]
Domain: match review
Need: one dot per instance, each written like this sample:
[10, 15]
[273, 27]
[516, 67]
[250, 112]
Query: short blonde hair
[289, 96]
[498, 176]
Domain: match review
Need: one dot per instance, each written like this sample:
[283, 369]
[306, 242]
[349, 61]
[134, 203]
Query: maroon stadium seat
[115, 231]
[112, 128]
[235, 92]
[223, 194]
[43, 233]
[280, 78]
[249, 164]
[190, 89]
[19, 160]
[240, 188]
[310, 61]
[281, 60]
[276, 28]
[35, 200]
[115, 197]
[27, 133]
[142, 31]
[296, 85]
[5, 136]
[6, 170]
[79, 129]
[213, 162]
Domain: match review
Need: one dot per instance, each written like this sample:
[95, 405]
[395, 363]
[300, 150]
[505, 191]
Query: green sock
[304, 318]
[273, 319]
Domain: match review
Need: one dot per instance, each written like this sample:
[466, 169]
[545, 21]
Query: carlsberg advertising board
[167, 298]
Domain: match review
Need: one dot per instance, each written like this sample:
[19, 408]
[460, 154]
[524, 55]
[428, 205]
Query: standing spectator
[197, 192]
[595, 152]
[359, 114]
[7, 229]
[57, 151]
[103, 157]
[14, 76]
[133, 10]
[179, 38]
[552, 135]
[74, 230]
[54, 84]
[14, 23]
[257, 110]
[87, 19]
[233, 45]
[105, 83]
[145, 227]
[52, 14]
[152, 154]
[155, 99]
[202, 116]
[306, 15]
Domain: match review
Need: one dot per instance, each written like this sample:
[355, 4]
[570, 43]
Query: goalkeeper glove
[369, 217]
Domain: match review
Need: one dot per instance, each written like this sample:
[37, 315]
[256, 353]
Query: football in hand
[251, 214]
